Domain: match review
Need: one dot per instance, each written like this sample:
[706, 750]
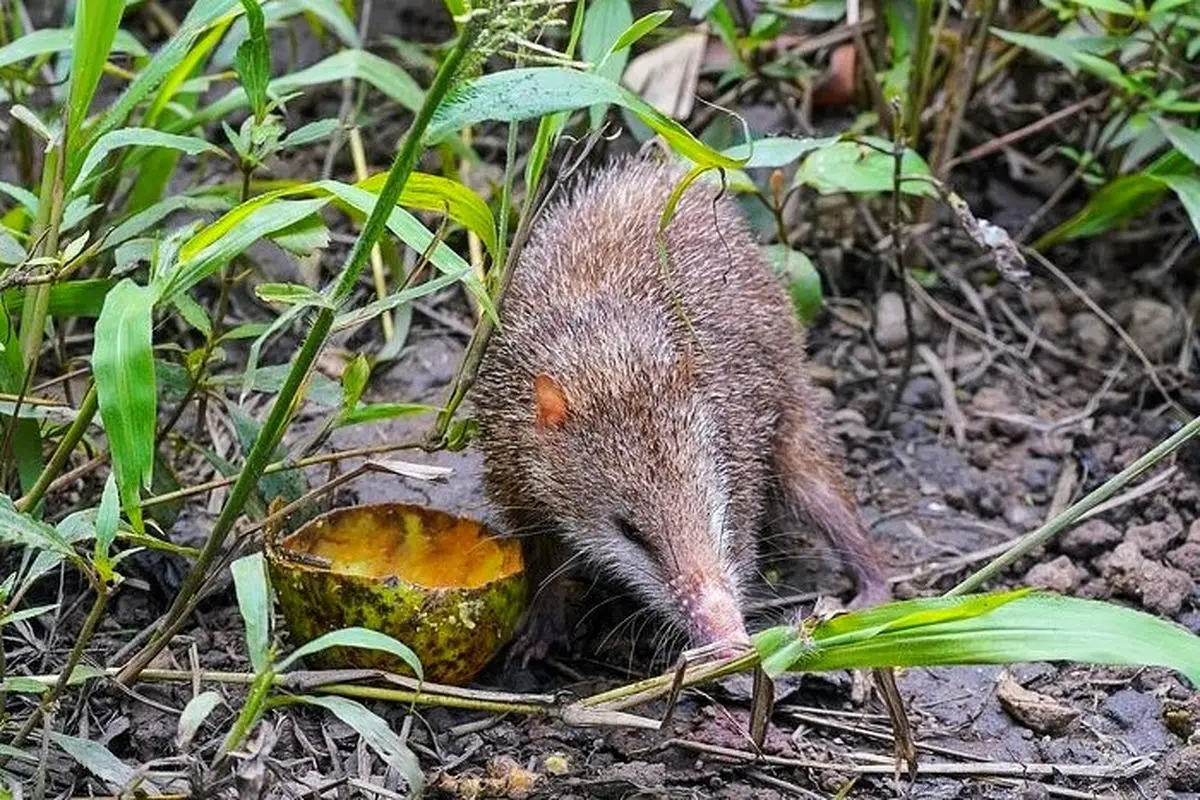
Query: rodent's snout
[713, 613]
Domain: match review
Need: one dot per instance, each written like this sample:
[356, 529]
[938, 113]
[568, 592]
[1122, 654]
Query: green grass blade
[123, 366]
[1014, 629]
[362, 638]
[137, 137]
[56, 40]
[427, 192]
[254, 603]
[383, 75]
[96, 24]
[520, 94]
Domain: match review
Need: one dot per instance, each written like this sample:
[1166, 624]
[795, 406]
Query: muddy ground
[1039, 400]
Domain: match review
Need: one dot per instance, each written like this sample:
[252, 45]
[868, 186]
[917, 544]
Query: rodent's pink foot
[543, 630]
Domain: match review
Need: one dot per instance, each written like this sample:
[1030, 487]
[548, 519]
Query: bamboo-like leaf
[96, 759]
[55, 40]
[254, 603]
[1187, 189]
[287, 293]
[108, 518]
[362, 638]
[82, 298]
[137, 224]
[997, 628]
[445, 196]
[385, 76]
[376, 412]
[378, 735]
[1186, 140]
[193, 716]
[23, 530]
[138, 137]
[520, 94]
[1061, 48]
[602, 28]
[123, 366]
[96, 24]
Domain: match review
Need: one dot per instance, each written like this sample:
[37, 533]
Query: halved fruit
[439, 583]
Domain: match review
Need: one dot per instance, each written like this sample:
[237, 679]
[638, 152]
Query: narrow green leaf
[254, 603]
[1187, 189]
[307, 134]
[383, 75]
[376, 412]
[55, 40]
[332, 14]
[141, 222]
[22, 685]
[28, 613]
[602, 27]
[96, 24]
[194, 314]
[1061, 48]
[138, 137]
[1110, 6]
[1102, 68]
[445, 196]
[286, 293]
[123, 366]
[82, 298]
[378, 735]
[362, 638]
[1030, 627]
[354, 381]
[108, 518]
[23, 530]
[519, 94]
[253, 59]
[1186, 140]
[96, 759]
[193, 716]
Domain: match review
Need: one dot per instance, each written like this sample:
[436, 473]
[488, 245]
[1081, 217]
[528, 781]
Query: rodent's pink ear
[550, 402]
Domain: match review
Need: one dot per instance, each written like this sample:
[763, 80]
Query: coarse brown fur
[651, 421]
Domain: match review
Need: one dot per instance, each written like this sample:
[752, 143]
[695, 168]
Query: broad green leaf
[82, 298]
[10, 251]
[859, 167]
[287, 293]
[96, 24]
[193, 716]
[304, 237]
[96, 759]
[23, 685]
[1186, 140]
[1103, 68]
[1187, 189]
[194, 314]
[801, 278]
[123, 367]
[362, 638]
[1000, 628]
[383, 75]
[776, 151]
[254, 603]
[54, 40]
[519, 94]
[8, 751]
[603, 25]
[378, 735]
[138, 137]
[376, 412]
[27, 199]
[22, 530]
[444, 196]
[108, 518]
[1110, 6]
[253, 59]
[307, 134]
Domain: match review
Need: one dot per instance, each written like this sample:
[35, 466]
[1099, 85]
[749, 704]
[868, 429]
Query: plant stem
[252, 711]
[1068, 517]
[83, 418]
[290, 394]
[51, 697]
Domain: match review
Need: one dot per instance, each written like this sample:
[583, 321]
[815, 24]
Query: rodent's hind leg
[544, 627]
[813, 492]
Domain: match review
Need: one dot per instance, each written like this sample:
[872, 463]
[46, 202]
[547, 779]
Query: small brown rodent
[652, 422]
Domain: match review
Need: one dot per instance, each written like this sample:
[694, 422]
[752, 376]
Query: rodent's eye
[631, 532]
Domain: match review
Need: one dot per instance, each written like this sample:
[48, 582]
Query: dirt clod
[1092, 537]
[1154, 326]
[1152, 539]
[1091, 334]
[1182, 768]
[1161, 589]
[1060, 575]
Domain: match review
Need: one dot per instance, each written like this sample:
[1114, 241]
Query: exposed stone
[890, 330]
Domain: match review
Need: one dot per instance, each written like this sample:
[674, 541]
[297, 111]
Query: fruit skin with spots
[648, 420]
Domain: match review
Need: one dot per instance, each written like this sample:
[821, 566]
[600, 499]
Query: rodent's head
[627, 456]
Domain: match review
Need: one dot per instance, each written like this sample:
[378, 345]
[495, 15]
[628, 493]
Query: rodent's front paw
[873, 593]
[544, 629]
